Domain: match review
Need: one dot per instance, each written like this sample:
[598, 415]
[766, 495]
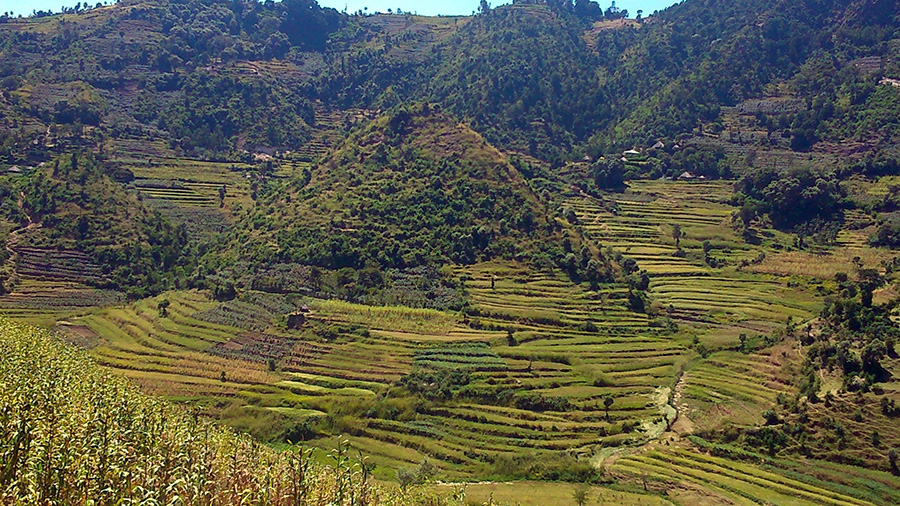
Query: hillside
[72, 222]
[524, 78]
[161, 69]
[780, 58]
[547, 250]
[413, 187]
[547, 79]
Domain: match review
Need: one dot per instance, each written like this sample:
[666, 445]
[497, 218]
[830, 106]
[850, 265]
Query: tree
[163, 307]
[580, 494]
[277, 45]
[607, 403]
[484, 7]
[677, 235]
[510, 337]
[609, 174]
[747, 214]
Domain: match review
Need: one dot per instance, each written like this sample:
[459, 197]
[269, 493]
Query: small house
[687, 176]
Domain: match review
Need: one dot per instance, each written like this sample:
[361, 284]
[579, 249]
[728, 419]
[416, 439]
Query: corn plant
[71, 433]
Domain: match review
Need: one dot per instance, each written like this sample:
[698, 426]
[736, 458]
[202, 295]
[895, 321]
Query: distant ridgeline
[553, 79]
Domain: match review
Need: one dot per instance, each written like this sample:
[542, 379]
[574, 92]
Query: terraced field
[219, 367]
[541, 391]
[557, 374]
[736, 387]
[188, 355]
[776, 482]
[640, 225]
[551, 368]
[46, 285]
[708, 289]
[578, 345]
[188, 191]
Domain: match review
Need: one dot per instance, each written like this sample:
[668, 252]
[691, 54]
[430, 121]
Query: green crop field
[55, 398]
[640, 226]
[743, 483]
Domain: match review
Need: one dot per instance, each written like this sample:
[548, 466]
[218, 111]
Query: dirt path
[671, 405]
[682, 425]
[13, 239]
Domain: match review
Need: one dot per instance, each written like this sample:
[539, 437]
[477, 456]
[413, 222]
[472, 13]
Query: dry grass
[390, 318]
[822, 266]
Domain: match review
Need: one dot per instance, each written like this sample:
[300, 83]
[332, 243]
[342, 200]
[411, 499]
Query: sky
[432, 8]
[425, 7]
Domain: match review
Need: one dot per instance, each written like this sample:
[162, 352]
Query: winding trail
[681, 425]
[13, 239]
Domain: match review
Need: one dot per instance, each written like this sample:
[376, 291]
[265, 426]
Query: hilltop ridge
[412, 187]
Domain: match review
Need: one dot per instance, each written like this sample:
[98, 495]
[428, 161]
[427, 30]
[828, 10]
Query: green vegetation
[739, 481]
[77, 224]
[411, 188]
[534, 92]
[72, 432]
[803, 199]
[644, 260]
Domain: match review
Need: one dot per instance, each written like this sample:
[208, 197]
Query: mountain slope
[689, 63]
[524, 78]
[548, 79]
[76, 223]
[411, 188]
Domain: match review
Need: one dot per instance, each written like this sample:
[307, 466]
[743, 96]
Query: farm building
[690, 176]
[631, 154]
